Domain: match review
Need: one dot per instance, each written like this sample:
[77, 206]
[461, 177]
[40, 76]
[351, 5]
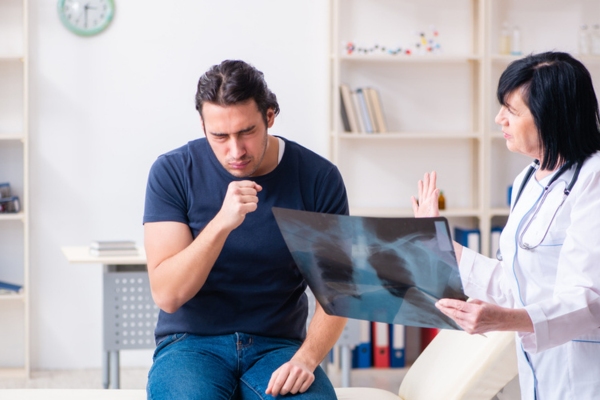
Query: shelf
[385, 212]
[14, 162]
[12, 297]
[413, 58]
[500, 212]
[20, 216]
[13, 373]
[407, 135]
[12, 136]
[11, 57]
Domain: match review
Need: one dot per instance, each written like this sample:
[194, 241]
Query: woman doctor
[545, 285]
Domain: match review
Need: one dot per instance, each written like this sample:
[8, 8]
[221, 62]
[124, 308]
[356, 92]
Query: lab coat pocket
[584, 367]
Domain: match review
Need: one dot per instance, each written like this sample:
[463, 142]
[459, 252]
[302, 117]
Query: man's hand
[291, 378]
[241, 198]
[427, 205]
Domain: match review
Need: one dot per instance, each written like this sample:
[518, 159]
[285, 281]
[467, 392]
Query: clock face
[86, 17]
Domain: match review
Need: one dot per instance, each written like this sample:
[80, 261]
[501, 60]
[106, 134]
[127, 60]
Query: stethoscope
[532, 168]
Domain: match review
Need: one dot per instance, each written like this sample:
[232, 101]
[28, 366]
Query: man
[233, 308]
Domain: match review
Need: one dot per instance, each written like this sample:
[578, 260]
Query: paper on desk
[377, 269]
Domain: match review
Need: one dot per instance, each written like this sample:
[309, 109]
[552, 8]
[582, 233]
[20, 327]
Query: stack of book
[361, 110]
[107, 248]
[10, 288]
[8, 202]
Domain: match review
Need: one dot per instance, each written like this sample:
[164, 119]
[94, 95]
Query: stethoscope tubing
[532, 168]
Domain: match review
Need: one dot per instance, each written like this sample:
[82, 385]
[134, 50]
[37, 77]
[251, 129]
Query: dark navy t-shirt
[254, 286]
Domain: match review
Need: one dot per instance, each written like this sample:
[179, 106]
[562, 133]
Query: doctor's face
[518, 126]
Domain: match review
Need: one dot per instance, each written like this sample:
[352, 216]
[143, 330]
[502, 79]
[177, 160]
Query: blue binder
[470, 238]
[361, 354]
[397, 346]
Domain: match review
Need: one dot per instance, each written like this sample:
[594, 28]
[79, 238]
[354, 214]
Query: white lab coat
[558, 283]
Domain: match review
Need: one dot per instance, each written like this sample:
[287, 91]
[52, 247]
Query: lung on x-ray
[377, 269]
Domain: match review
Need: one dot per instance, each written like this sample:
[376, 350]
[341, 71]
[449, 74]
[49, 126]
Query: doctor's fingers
[428, 183]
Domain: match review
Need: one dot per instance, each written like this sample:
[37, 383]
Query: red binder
[381, 345]
[427, 335]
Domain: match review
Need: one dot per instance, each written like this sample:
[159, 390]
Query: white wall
[103, 108]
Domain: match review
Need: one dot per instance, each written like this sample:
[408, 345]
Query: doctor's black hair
[232, 82]
[559, 93]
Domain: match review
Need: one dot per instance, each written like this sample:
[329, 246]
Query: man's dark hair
[558, 91]
[233, 82]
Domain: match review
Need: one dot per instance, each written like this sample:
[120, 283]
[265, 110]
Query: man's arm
[178, 265]
[297, 375]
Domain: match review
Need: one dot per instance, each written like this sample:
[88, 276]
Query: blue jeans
[229, 367]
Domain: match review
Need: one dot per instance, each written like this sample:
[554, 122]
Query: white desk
[129, 312]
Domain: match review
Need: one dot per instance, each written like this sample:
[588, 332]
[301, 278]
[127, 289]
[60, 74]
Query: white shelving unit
[426, 131]
[14, 155]
[439, 108]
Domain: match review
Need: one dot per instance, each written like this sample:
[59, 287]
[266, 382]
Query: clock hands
[85, 14]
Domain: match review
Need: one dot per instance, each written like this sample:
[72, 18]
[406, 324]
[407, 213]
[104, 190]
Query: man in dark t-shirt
[233, 308]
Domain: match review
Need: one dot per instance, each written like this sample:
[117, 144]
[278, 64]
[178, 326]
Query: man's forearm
[323, 331]
[180, 276]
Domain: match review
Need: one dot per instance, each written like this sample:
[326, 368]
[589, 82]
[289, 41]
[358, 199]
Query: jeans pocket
[167, 341]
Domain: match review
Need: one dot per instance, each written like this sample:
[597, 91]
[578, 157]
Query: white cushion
[359, 393]
[73, 394]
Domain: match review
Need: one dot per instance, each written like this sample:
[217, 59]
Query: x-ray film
[377, 269]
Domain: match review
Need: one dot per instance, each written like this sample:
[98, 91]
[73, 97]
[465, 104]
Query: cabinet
[14, 227]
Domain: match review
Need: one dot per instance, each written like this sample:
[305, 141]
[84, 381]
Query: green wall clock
[86, 17]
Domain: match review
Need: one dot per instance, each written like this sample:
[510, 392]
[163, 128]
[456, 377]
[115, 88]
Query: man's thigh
[270, 354]
[192, 367]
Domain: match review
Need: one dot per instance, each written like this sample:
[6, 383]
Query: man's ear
[270, 117]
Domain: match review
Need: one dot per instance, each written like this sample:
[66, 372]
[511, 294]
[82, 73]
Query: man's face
[238, 136]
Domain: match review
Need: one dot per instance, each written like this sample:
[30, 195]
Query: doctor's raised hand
[427, 203]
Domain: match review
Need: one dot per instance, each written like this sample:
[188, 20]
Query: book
[359, 116]
[112, 244]
[10, 288]
[347, 106]
[363, 111]
[370, 108]
[344, 115]
[113, 252]
[375, 102]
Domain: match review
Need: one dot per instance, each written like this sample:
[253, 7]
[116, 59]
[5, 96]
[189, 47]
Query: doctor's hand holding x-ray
[545, 282]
